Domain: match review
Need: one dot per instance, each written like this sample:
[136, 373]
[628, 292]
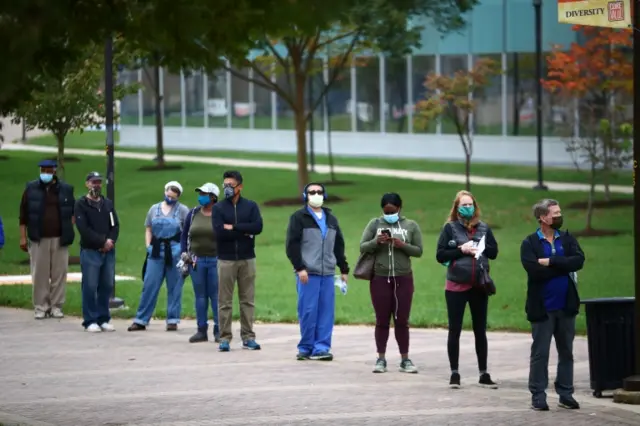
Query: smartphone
[386, 232]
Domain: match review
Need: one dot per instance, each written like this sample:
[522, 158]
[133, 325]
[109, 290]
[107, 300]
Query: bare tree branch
[312, 51]
[265, 81]
[331, 40]
[283, 63]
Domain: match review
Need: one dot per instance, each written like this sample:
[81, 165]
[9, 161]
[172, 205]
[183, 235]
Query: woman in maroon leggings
[393, 239]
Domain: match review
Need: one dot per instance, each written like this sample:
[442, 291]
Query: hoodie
[392, 261]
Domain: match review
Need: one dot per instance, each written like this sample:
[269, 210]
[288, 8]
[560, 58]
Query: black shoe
[172, 327]
[136, 327]
[486, 382]
[322, 356]
[539, 405]
[454, 382]
[301, 356]
[569, 403]
[200, 336]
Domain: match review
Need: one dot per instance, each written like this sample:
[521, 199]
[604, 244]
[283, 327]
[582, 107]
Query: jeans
[205, 288]
[316, 313]
[562, 328]
[98, 274]
[156, 272]
[478, 302]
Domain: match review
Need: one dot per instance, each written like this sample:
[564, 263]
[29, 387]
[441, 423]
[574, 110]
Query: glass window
[240, 107]
[172, 99]
[368, 95]
[487, 119]
[262, 100]
[521, 94]
[396, 95]
[450, 64]
[148, 97]
[313, 92]
[338, 98]
[283, 109]
[129, 104]
[217, 99]
[194, 98]
[422, 66]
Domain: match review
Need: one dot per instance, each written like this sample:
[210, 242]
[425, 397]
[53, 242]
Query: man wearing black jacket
[236, 221]
[99, 227]
[551, 259]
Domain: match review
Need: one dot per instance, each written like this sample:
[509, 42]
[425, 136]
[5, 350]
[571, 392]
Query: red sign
[616, 11]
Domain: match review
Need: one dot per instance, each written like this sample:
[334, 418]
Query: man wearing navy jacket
[236, 221]
[551, 259]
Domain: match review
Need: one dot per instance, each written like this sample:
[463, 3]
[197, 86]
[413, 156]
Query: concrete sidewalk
[53, 373]
[363, 171]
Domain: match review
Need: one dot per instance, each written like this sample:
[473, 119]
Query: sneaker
[136, 327]
[200, 336]
[107, 326]
[172, 327]
[322, 356]
[569, 403]
[224, 346]
[302, 356]
[486, 382]
[539, 405]
[39, 315]
[57, 313]
[252, 345]
[93, 328]
[406, 366]
[381, 366]
[454, 381]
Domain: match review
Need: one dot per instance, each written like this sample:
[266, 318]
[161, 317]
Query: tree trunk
[60, 160]
[301, 149]
[592, 192]
[158, 111]
[467, 170]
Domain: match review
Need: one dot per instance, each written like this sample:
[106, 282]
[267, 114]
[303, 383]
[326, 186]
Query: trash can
[611, 342]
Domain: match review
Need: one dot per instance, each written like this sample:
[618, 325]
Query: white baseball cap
[209, 188]
[173, 183]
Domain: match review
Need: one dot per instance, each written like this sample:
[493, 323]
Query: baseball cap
[209, 188]
[174, 183]
[48, 164]
[93, 176]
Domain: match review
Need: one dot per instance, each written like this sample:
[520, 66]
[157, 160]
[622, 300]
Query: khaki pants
[244, 272]
[49, 266]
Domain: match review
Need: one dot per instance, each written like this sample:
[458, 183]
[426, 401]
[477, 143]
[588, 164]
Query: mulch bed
[337, 183]
[602, 204]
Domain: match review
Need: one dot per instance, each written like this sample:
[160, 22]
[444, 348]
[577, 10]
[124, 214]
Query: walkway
[363, 171]
[53, 373]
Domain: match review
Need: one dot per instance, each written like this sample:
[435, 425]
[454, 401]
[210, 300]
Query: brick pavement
[53, 373]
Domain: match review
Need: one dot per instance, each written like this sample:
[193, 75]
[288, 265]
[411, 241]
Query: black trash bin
[611, 341]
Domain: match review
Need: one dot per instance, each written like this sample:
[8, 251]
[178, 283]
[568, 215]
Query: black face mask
[557, 222]
[95, 191]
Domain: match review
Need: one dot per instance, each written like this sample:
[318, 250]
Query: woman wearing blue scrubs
[163, 224]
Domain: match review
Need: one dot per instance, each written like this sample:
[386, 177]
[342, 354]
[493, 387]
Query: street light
[537, 5]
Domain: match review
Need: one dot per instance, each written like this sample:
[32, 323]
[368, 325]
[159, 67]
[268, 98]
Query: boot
[200, 336]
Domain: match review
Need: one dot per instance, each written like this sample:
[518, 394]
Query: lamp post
[114, 302]
[537, 5]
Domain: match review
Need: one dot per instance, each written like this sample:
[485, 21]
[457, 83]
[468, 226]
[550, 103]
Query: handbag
[364, 267]
[486, 282]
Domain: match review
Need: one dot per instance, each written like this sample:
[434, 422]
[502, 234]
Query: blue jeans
[316, 312]
[98, 273]
[205, 288]
[156, 272]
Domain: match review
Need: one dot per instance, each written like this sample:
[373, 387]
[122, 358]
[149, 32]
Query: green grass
[95, 140]
[608, 272]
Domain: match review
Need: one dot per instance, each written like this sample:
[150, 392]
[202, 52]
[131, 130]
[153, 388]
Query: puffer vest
[36, 206]
[466, 270]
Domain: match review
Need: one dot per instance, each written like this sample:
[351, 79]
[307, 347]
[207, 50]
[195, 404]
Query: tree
[452, 97]
[70, 101]
[350, 30]
[598, 76]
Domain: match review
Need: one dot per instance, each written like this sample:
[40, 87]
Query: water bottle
[340, 284]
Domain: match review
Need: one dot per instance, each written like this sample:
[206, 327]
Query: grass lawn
[96, 140]
[608, 272]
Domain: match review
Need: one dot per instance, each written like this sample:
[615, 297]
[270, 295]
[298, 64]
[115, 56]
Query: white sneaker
[93, 328]
[40, 315]
[57, 313]
[105, 326]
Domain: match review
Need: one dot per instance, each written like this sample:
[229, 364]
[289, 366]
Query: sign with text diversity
[596, 13]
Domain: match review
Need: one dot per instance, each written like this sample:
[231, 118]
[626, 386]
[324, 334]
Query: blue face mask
[391, 218]
[466, 211]
[46, 177]
[203, 200]
[169, 200]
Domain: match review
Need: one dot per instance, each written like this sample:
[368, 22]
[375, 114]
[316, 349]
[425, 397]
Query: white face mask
[316, 200]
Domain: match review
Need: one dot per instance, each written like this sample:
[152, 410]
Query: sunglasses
[316, 192]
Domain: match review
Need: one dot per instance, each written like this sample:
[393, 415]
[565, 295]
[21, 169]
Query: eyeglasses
[316, 192]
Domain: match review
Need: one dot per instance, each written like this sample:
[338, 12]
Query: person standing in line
[46, 232]
[551, 259]
[236, 222]
[457, 250]
[99, 227]
[199, 249]
[315, 246]
[163, 225]
[393, 240]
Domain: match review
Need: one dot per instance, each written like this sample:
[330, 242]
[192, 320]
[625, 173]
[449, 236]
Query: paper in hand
[480, 248]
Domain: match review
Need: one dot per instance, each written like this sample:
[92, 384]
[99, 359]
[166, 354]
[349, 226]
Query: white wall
[496, 149]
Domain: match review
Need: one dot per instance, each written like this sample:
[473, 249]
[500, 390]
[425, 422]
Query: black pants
[478, 302]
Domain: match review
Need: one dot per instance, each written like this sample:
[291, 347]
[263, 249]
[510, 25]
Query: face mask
[466, 211]
[316, 200]
[229, 192]
[203, 200]
[95, 191]
[391, 218]
[169, 200]
[46, 177]
[557, 222]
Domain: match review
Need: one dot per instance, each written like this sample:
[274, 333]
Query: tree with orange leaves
[452, 97]
[594, 79]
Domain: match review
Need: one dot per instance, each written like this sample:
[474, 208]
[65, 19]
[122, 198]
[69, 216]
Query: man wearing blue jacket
[236, 222]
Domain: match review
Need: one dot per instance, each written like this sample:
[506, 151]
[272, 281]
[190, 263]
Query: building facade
[369, 112]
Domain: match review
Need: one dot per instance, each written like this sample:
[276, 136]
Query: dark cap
[93, 176]
[48, 163]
